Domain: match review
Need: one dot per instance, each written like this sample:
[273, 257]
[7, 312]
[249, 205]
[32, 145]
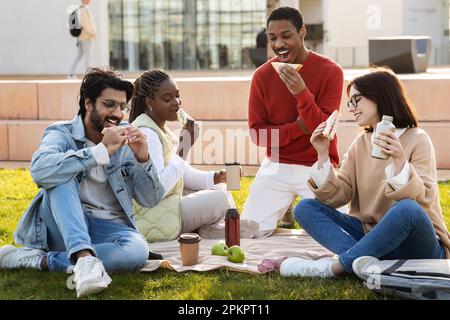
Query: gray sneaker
[249, 229]
[12, 257]
[288, 220]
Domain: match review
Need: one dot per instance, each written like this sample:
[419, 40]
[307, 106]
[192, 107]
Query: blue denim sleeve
[56, 162]
[148, 189]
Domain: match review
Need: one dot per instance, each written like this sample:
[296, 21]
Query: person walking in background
[259, 53]
[85, 39]
[261, 39]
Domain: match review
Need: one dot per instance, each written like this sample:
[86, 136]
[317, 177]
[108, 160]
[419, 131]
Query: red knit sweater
[272, 106]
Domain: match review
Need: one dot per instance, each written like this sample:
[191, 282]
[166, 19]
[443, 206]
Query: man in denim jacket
[89, 169]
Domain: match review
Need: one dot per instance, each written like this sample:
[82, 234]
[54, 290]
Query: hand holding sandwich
[320, 143]
[188, 135]
[324, 133]
[113, 138]
[116, 137]
[190, 132]
[293, 80]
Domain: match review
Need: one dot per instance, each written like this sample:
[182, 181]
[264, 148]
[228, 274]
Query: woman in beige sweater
[394, 204]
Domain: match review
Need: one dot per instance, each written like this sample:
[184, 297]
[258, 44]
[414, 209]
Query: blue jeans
[405, 232]
[69, 229]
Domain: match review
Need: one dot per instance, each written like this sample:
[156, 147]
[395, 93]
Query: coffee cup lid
[232, 163]
[189, 238]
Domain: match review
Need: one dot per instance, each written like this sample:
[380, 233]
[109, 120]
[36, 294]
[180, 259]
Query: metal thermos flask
[232, 227]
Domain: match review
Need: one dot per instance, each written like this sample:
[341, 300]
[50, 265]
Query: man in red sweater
[284, 109]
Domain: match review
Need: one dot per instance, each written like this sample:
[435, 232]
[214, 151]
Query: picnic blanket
[283, 242]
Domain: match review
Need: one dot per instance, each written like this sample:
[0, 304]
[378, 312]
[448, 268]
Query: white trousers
[204, 208]
[274, 189]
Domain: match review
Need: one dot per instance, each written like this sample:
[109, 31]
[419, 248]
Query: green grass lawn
[16, 192]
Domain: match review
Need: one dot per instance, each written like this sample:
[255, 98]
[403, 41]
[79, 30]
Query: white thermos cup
[233, 176]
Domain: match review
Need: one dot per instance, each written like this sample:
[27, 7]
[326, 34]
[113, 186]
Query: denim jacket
[63, 155]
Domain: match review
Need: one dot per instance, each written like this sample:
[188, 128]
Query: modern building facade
[135, 35]
[348, 25]
[184, 34]
[220, 34]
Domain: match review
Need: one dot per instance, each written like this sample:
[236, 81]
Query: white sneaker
[360, 264]
[90, 276]
[12, 257]
[298, 267]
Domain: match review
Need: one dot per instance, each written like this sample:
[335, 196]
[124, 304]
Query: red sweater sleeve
[261, 130]
[311, 113]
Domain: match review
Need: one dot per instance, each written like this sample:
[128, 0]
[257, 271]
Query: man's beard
[98, 122]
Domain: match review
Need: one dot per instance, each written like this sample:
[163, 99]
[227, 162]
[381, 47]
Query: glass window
[184, 34]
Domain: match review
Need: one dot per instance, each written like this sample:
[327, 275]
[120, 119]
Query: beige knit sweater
[88, 32]
[360, 180]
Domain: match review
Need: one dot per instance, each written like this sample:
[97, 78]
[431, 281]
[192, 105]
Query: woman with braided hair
[193, 201]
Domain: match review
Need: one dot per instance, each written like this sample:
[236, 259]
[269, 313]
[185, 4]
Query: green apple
[236, 254]
[219, 249]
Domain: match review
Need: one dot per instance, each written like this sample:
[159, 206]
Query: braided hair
[146, 86]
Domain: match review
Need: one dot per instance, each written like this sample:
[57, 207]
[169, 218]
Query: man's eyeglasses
[112, 105]
[354, 99]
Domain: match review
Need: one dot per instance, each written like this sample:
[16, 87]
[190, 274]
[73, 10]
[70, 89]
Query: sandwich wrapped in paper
[124, 125]
[278, 65]
[332, 124]
[183, 117]
[104, 130]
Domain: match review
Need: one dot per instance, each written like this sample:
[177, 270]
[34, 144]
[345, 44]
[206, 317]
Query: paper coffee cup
[189, 248]
[233, 176]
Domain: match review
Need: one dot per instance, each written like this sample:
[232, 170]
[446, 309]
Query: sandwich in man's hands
[103, 133]
[332, 124]
[278, 65]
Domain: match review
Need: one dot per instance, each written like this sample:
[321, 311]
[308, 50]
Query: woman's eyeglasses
[112, 105]
[354, 99]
